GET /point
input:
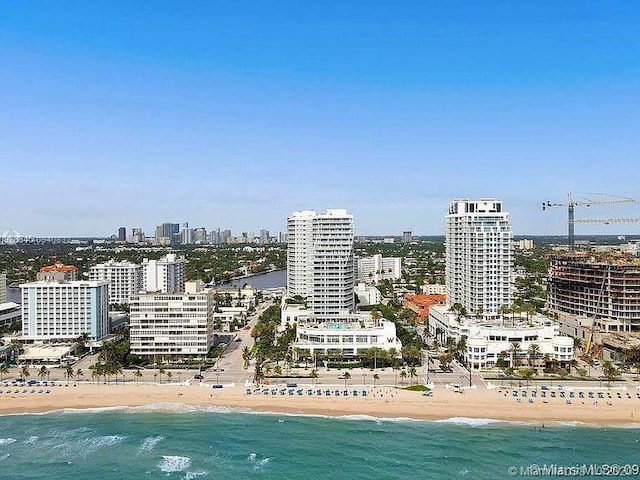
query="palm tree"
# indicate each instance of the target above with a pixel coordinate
(515, 349)
(160, 372)
(4, 369)
(347, 377)
(412, 374)
(277, 370)
(403, 375)
(609, 371)
(137, 375)
(577, 344)
(246, 357)
(25, 372)
(42, 372)
(590, 363)
(169, 375)
(376, 377)
(79, 373)
(533, 351)
(68, 372)
(313, 375)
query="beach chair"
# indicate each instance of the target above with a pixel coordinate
(265, 391)
(600, 395)
(590, 394)
(274, 392)
(345, 393)
(568, 402)
(355, 393)
(336, 393)
(364, 393)
(572, 395)
(543, 394)
(292, 391)
(562, 394)
(515, 393)
(553, 394)
(300, 392)
(309, 391)
(531, 400)
(534, 394)
(581, 394)
(47, 391)
(524, 394)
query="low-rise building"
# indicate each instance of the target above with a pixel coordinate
(10, 313)
(419, 304)
(58, 272)
(434, 289)
(345, 336)
(512, 338)
(367, 294)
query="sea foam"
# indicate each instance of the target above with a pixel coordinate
(174, 463)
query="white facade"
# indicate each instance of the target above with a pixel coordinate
(10, 313)
(376, 268)
(165, 275)
(479, 261)
(125, 279)
(3, 288)
(349, 335)
(320, 260)
(367, 294)
(487, 339)
(171, 325)
(434, 289)
(64, 310)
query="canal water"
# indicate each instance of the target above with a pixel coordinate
(262, 281)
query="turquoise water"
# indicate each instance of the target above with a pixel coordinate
(141, 444)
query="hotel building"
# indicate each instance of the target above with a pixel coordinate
(64, 310)
(479, 258)
(320, 269)
(125, 279)
(320, 260)
(58, 272)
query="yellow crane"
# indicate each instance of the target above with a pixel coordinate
(596, 200)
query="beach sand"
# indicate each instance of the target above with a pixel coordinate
(381, 402)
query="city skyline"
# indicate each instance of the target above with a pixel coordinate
(233, 115)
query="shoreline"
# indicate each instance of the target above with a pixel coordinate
(474, 407)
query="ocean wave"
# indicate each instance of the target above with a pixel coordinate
(104, 441)
(472, 422)
(174, 463)
(7, 441)
(31, 440)
(196, 474)
(149, 443)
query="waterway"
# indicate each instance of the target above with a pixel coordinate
(262, 281)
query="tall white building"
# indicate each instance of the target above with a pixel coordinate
(171, 325)
(3, 288)
(125, 279)
(479, 273)
(376, 268)
(64, 310)
(320, 260)
(165, 275)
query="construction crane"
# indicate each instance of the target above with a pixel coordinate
(605, 199)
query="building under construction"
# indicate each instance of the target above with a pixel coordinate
(602, 287)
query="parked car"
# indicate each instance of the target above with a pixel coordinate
(198, 376)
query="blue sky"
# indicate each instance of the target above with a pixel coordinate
(234, 114)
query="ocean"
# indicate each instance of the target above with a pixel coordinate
(183, 443)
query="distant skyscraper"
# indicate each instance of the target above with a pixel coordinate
(479, 255)
(320, 260)
(122, 234)
(264, 236)
(166, 233)
(226, 236)
(407, 237)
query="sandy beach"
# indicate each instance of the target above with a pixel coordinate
(381, 402)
